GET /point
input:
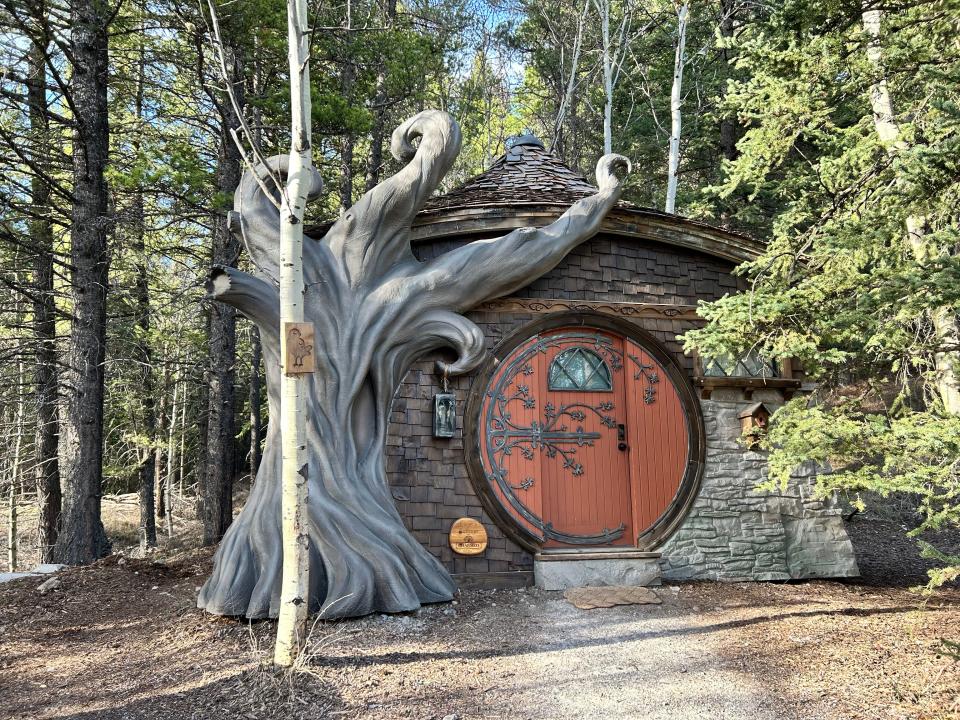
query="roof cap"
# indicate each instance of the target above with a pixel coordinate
(527, 137)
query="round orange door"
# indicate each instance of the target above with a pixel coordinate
(583, 438)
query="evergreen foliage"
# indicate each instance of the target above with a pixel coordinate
(839, 286)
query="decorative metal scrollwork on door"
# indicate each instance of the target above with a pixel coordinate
(587, 366)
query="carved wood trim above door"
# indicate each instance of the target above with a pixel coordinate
(660, 311)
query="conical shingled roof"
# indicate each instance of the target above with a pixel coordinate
(526, 173)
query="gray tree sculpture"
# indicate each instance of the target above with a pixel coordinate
(375, 309)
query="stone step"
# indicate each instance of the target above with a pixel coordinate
(565, 569)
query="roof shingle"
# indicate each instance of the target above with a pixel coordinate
(526, 173)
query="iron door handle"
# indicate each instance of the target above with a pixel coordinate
(621, 437)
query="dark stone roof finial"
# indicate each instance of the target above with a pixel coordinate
(527, 137)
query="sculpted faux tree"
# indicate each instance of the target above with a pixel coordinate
(375, 309)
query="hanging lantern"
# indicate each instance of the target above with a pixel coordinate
(444, 415)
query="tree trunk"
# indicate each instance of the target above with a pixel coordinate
(346, 173)
(143, 354)
(160, 458)
(676, 100)
(12, 542)
(217, 483)
(82, 538)
(172, 456)
(603, 7)
(375, 309)
(728, 124)
(944, 320)
(378, 130)
(301, 182)
(571, 84)
(256, 419)
(44, 316)
(181, 470)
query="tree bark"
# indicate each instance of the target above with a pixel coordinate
(46, 444)
(302, 181)
(676, 101)
(217, 483)
(82, 538)
(143, 354)
(171, 459)
(160, 458)
(728, 124)
(571, 84)
(378, 130)
(943, 319)
(12, 529)
(375, 309)
(603, 7)
(346, 173)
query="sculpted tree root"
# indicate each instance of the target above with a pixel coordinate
(376, 309)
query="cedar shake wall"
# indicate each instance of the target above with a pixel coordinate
(428, 476)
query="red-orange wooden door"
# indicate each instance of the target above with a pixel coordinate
(583, 438)
(584, 468)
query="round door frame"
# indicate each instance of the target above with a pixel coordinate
(665, 525)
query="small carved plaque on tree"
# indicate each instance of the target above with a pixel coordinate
(468, 537)
(298, 348)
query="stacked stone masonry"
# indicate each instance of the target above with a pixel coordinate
(731, 532)
(736, 532)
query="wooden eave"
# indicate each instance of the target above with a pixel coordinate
(469, 221)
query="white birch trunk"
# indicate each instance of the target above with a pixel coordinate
(676, 99)
(572, 80)
(294, 600)
(182, 469)
(12, 531)
(604, 8)
(12, 545)
(888, 130)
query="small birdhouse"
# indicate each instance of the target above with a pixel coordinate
(754, 421)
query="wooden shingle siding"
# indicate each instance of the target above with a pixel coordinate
(428, 475)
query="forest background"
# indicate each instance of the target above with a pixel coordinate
(827, 129)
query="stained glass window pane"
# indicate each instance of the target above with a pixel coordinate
(579, 369)
(747, 365)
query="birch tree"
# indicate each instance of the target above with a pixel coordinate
(302, 180)
(943, 319)
(676, 102)
(613, 48)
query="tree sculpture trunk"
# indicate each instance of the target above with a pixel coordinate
(375, 309)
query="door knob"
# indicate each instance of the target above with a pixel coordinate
(621, 437)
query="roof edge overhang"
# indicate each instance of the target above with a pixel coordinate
(629, 222)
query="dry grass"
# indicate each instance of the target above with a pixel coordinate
(121, 520)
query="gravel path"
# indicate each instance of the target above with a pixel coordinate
(629, 662)
(123, 640)
(529, 654)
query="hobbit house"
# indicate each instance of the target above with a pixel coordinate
(588, 448)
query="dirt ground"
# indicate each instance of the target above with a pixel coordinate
(123, 640)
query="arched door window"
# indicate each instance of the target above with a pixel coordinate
(580, 369)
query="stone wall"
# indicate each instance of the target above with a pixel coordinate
(734, 532)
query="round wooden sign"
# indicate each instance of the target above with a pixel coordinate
(468, 537)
